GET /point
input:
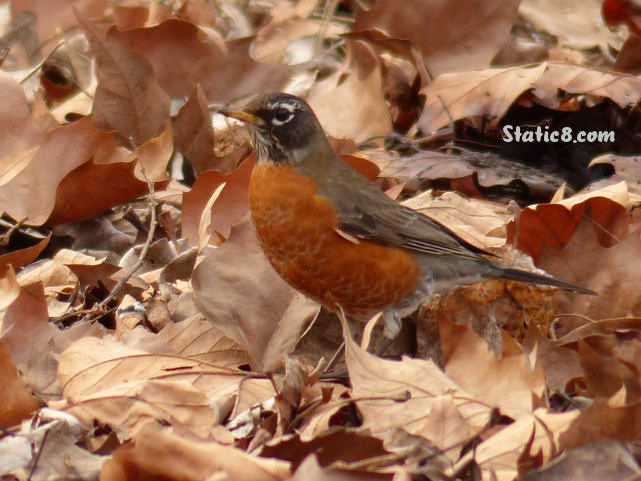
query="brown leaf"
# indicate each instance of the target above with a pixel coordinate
(17, 132)
(92, 188)
(194, 134)
(58, 15)
(161, 454)
(34, 343)
(554, 224)
(182, 56)
(239, 291)
(62, 150)
(311, 470)
(229, 208)
(596, 462)
(16, 401)
(603, 422)
(607, 270)
(448, 36)
(605, 375)
(21, 257)
(508, 382)
(412, 394)
(128, 99)
(560, 364)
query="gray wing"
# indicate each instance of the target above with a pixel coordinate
(367, 213)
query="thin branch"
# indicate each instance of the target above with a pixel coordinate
(102, 308)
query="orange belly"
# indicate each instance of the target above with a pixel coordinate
(296, 229)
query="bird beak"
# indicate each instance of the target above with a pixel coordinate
(243, 116)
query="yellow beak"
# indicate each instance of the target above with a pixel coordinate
(243, 116)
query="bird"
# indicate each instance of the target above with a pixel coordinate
(336, 237)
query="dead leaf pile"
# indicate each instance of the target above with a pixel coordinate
(143, 333)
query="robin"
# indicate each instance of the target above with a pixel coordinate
(336, 237)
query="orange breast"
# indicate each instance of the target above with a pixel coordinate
(296, 229)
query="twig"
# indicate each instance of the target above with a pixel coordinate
(102, 307)
(328, 13)
(37, 459)
(3, 55)
(6, 237)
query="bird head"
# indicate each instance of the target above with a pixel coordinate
(283, 128)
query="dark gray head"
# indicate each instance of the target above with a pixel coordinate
(282, 127)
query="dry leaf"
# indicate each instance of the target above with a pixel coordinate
(239, 291)
(412, 394)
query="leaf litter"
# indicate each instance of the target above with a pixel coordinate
(144, 334)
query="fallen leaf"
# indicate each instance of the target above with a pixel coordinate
(508, 382)
(156, 453)
(17, 402)
(239, 291)
(182, 56)
(605, 460)
(352, 109)
(470, 36)
(128, 99)
(415, 395)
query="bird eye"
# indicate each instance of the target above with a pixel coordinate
(282, 115)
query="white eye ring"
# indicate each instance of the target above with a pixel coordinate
(282, 116)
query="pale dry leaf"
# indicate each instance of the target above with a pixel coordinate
(354, 109)
(508, 382)
(17, 132)
(498, 455)
(129, 387)
(623, 89)
(412, 394)
(9, 289)
(310, 470)
(198, 339)
(606, 460)
(479, 222)
(576, 24)
(153, 156)
(626, 168)
(163, 454)
(54, 435)
(488, 93)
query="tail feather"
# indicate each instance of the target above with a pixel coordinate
(524, 276)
